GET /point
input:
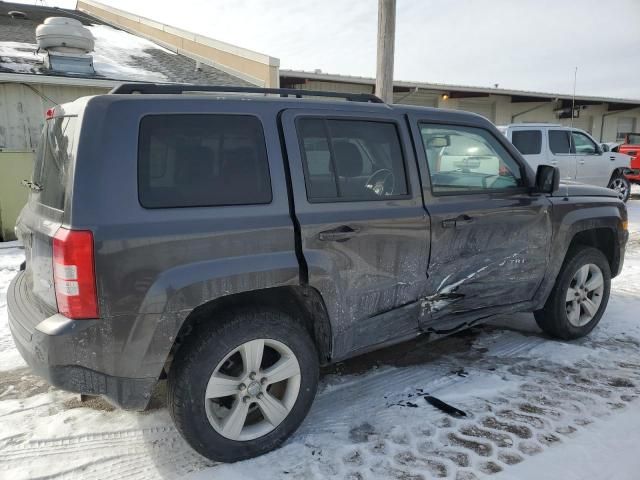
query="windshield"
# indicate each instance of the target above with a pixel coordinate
(52, 161)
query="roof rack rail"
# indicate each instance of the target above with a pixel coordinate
(159, 88)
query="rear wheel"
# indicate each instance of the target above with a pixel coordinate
(241, 388)
(578, 299)
(622, 186)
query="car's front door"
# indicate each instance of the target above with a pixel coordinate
(561, 154)
(363, 228)
(489, 236)
(592, 167)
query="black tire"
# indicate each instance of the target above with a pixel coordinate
(624, 182)
(553, 318)
(204, 349)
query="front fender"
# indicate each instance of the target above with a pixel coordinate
(571, 217)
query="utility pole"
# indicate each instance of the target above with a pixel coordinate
(573, 99)
(386, 40)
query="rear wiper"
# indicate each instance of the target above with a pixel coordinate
(36, 187)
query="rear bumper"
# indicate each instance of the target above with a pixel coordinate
(57, 350)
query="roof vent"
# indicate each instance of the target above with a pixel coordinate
(67, 43)
(17, 14)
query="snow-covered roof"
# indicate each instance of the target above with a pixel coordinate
(118, 55)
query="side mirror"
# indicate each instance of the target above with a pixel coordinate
(547, 179)
(605, 147)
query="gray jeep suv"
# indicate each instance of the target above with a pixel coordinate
(234, 240)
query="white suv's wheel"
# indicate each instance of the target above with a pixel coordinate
(239, 388)
(621, 185)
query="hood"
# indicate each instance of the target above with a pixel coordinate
(575, 189)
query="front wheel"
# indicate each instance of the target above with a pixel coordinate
(580, 296)
(239, 389)
(622, 186)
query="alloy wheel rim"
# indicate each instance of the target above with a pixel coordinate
(252, 390)
(584, 295)
(619, 186)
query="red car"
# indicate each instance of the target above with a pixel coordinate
(631, 147)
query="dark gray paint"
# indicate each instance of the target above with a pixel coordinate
(402, 274)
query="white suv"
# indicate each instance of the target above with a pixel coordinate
(578, 156)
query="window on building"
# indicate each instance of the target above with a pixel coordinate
(625, 125)
(467, 159)
(351, 159)
(528, 142)
(202, 160)
(559, 142)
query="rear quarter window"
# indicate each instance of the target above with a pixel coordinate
(528, 142)
(53, 161)
(198, 160)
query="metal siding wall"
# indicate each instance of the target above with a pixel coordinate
(583, 122)
(335, 87)
(14, 167)
(21, 118)
(486, 108)
(419, 98)
(22, 111)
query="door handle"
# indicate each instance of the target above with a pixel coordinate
(460, 221)
(340, 234)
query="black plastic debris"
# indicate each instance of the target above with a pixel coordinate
(445, 407)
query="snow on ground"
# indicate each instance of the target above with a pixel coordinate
(10, 258)
(536, 408)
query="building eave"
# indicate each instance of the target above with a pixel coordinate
(57, 80)
(441, 87)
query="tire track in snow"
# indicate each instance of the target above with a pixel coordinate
(119, 454)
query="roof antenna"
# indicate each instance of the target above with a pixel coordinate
(573, 99)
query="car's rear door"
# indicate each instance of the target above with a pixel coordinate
(489, 236)
(529, 142)
(364, 231)
(561, 154)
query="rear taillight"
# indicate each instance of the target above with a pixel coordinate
(74, 274)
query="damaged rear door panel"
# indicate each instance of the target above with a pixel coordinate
(364, 232)
(490, 236)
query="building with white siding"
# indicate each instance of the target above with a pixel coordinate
(605, 118)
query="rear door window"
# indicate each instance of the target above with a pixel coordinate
(53, 160)
(559, 142)
(351, 159)
(528, 142)
(197, 160)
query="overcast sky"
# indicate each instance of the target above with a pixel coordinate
(519, 44)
